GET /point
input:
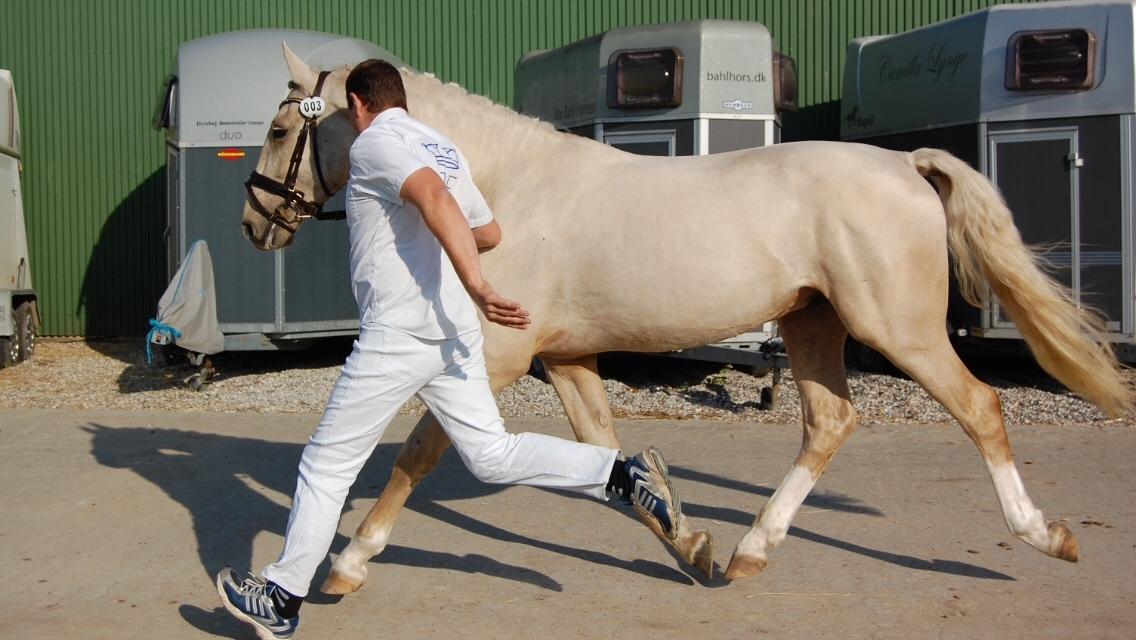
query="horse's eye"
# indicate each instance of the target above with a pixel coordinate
(279, 133)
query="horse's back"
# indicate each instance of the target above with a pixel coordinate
(705, 247)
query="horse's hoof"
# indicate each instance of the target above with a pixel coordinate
(701, 554)
(742, 566)
(1062, 542)
(338, 584)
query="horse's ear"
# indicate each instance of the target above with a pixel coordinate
(302, 74)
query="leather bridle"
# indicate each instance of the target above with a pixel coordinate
(294, 201)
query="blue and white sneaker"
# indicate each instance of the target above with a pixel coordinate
(253, 600)
(653, 495)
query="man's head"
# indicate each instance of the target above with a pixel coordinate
(372, 87)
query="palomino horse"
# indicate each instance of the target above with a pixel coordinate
(612, 251)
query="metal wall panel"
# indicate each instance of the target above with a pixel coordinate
(88, 75)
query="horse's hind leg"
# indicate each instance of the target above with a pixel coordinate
(419, 455)
(580, 388)
(814, 337)
(934, 364)
(581, 391)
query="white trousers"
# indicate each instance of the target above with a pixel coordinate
(384, 370)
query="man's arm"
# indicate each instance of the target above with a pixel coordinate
(487, 236)
(444, 218)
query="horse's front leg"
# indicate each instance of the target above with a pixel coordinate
(581, 391)
(418, 457)
(815, 339)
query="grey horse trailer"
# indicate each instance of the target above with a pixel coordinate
(19, 313)
(675, 89)
(216, 110)
(1041, 98)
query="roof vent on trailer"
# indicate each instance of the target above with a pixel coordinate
(1057, 60)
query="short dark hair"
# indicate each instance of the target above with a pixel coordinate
(378, 84)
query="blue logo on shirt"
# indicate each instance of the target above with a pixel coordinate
(445, 156)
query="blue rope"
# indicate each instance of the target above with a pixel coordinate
(156, 327)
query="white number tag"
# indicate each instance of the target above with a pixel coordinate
(311, 107)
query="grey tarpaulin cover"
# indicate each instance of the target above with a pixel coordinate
(189, 305)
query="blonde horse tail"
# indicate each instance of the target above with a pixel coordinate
(1067, 341)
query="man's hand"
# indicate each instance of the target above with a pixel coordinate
(500, 310)
(445, 220)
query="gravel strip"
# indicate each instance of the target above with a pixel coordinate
(113, 374)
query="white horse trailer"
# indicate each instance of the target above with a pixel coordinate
(675, 89)
(1042, 99)
(19, 313)
(216, 110)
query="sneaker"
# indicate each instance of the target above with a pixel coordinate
(251, 600)
(652, 494)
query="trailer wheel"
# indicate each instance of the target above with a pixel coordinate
(9, 352)
(25, 337)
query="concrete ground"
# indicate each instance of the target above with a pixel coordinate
(113, 524)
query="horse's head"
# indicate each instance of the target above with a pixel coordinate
(304, 159)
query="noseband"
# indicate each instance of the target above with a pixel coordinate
(301, 208)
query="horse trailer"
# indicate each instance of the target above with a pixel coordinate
(216, 109)
(1041, 98)
(19, 313)
(675, 89)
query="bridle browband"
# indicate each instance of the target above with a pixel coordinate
(302, 208)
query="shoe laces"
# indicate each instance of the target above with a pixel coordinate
(255, 586)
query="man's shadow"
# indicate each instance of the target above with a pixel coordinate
(219, 479)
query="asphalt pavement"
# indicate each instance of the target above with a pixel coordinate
(114, 523)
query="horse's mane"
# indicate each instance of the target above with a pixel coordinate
(475, 104)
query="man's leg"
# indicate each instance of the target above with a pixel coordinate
(366, 397)
(374, 383)
(463, 402)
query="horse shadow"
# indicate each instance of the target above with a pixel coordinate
(222, 481)
(827, 501)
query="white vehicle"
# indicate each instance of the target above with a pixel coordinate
(19, 315)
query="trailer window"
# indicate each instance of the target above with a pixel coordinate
(164, 114)
(1061, 60)
(645, 79)
(784, 82)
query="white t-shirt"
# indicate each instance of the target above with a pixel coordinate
(401, 276)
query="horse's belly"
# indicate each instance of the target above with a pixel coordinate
(663, 320)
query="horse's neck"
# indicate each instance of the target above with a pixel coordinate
(497, 142)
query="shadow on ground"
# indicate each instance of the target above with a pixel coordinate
(222, 481)
(170, 366)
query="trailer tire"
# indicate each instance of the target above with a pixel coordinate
(9, 351)
(25, 331)
(10, 345)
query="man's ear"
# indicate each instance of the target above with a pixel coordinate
(303, 75)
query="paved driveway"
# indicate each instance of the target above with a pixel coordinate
(114, 522)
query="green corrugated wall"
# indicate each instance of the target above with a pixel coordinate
(88, 72)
